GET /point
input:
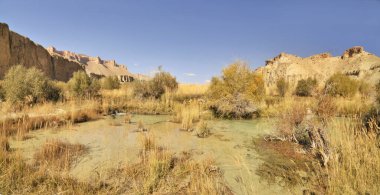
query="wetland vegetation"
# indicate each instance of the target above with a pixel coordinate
(232, 136)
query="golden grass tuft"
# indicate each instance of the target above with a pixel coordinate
(58, 154)
(354, 167)
(203, 129)
(190, 91)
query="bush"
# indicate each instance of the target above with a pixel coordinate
(341, 85)
(235, 89)
(282, 87)
(81, 85)
(234, 107)
(161, 83)
(305, 87)
(111, 82)
(237, 79)
(28, 85)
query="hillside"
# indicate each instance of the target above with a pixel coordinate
(355, 62)
(16, 49)
(96, 66)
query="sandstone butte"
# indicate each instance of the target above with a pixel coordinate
(355, 62)
(60, 65)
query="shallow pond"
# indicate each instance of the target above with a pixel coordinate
(113, 143)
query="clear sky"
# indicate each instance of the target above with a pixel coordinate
(195, 39)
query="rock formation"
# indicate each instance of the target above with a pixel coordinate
(354, 62)
(96, 66)
(16, 49)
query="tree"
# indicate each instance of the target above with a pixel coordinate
(81, 85)
(111, 82)
(282, 87)
(28, 85)
(232, 94)
(341, 85)
(161, 83)
(305, 87)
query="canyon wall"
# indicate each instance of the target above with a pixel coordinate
(95, 65)
(16, 49)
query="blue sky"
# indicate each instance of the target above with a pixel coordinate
(195, 39)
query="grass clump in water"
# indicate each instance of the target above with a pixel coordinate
(58, 154)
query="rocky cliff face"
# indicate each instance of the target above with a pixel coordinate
(354, 62)
(95, 65)
(16, 49)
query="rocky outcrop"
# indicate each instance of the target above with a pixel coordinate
(16, 49)
(354, 51)
(96, 66)
(355, 62)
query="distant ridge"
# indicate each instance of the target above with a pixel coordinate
(354, 62)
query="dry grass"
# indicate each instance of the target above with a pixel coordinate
(203, 129)
(18, 177)
(190, 91)
(160, 171)
(58, 154)
(4, 144)
(352, 107)
(290, 120)
(354, 167)
(281, 105)
(187, 114)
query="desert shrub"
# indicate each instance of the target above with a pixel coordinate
(305, 87)
(234, 107)
(236, 89)
(326, 108)
(290, 120)
(282, 87)
(111, 82)
(161, 83)
(82, 86)
(28, 85)
(341, 85)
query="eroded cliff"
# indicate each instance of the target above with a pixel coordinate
(16, 49)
